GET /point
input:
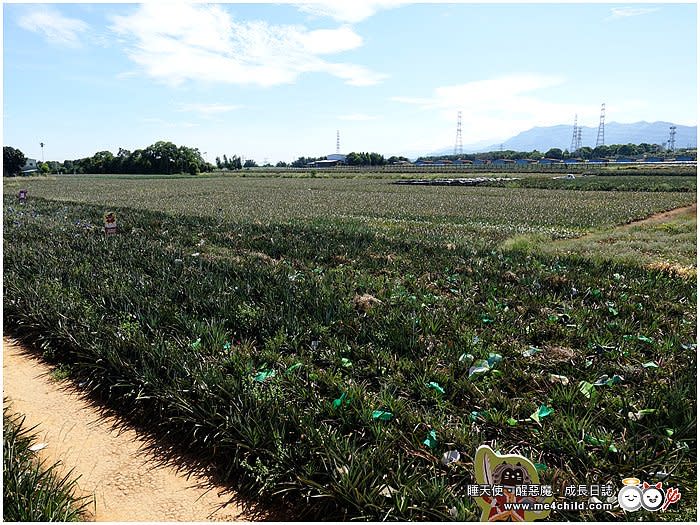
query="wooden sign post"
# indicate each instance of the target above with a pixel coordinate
(110, 221)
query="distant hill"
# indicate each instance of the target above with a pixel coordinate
(544, 138)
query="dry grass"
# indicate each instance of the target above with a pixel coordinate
(665, 241)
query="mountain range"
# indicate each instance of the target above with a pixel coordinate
(544, 138)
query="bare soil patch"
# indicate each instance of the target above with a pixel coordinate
(666, 215)
(127, 483)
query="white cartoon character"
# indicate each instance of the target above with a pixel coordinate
(652, 496)
(630, 496)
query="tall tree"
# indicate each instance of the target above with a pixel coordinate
(12, 161)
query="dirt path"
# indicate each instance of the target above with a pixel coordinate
(126, 483)
(665, 216)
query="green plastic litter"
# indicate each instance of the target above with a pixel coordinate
(262, 376)
(650, 364)
(479, 367)
(435, 386)
(531, 351)
(382, 415)
(541, 412)
(431, 440)
(196, 345)
(337, 403)
(227, 346)
(486, 320)
(345, 362)
(645, 339)
(474, 415)
(512, 422)
(293, 367)
(591, 440)
(540, 467)
(605, 380)
(494, 359)
(587, 389)
(669, 432)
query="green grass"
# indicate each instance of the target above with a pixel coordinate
(172, 321)
(33, 491)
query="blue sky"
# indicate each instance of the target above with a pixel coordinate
(275, 81)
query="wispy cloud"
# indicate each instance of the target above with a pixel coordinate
(53, 26)
(357, 117)
(161, 122)
(499, 107)
(209, 109)
(626, 12)
(177, 43)
(346, 11)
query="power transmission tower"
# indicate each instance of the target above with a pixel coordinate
(574, 135)
(672, 139)
(579, 143)
(458, 139)
(600, 141)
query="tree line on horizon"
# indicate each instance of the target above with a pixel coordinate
(164, 157)
(584, 153)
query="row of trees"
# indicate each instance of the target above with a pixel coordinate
(159, 158)
(351, 159)
(233, 163)
(586, 153)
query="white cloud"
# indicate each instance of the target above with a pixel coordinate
(53, 26)
(209, 109)
(500, 107)
(626, 12)
(176, 43)
(359, 117)
(348, 11)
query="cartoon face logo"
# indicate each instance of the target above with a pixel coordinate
(509, 470)
(630, 498)
(652, 497)
(511, 475)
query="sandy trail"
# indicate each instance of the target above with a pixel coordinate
(666, 215)
(127, 484)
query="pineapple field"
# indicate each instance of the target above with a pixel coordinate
(325, 343)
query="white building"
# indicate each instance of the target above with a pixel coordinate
(30, 166)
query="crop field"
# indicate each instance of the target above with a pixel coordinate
(473, 215)
(322, 343)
